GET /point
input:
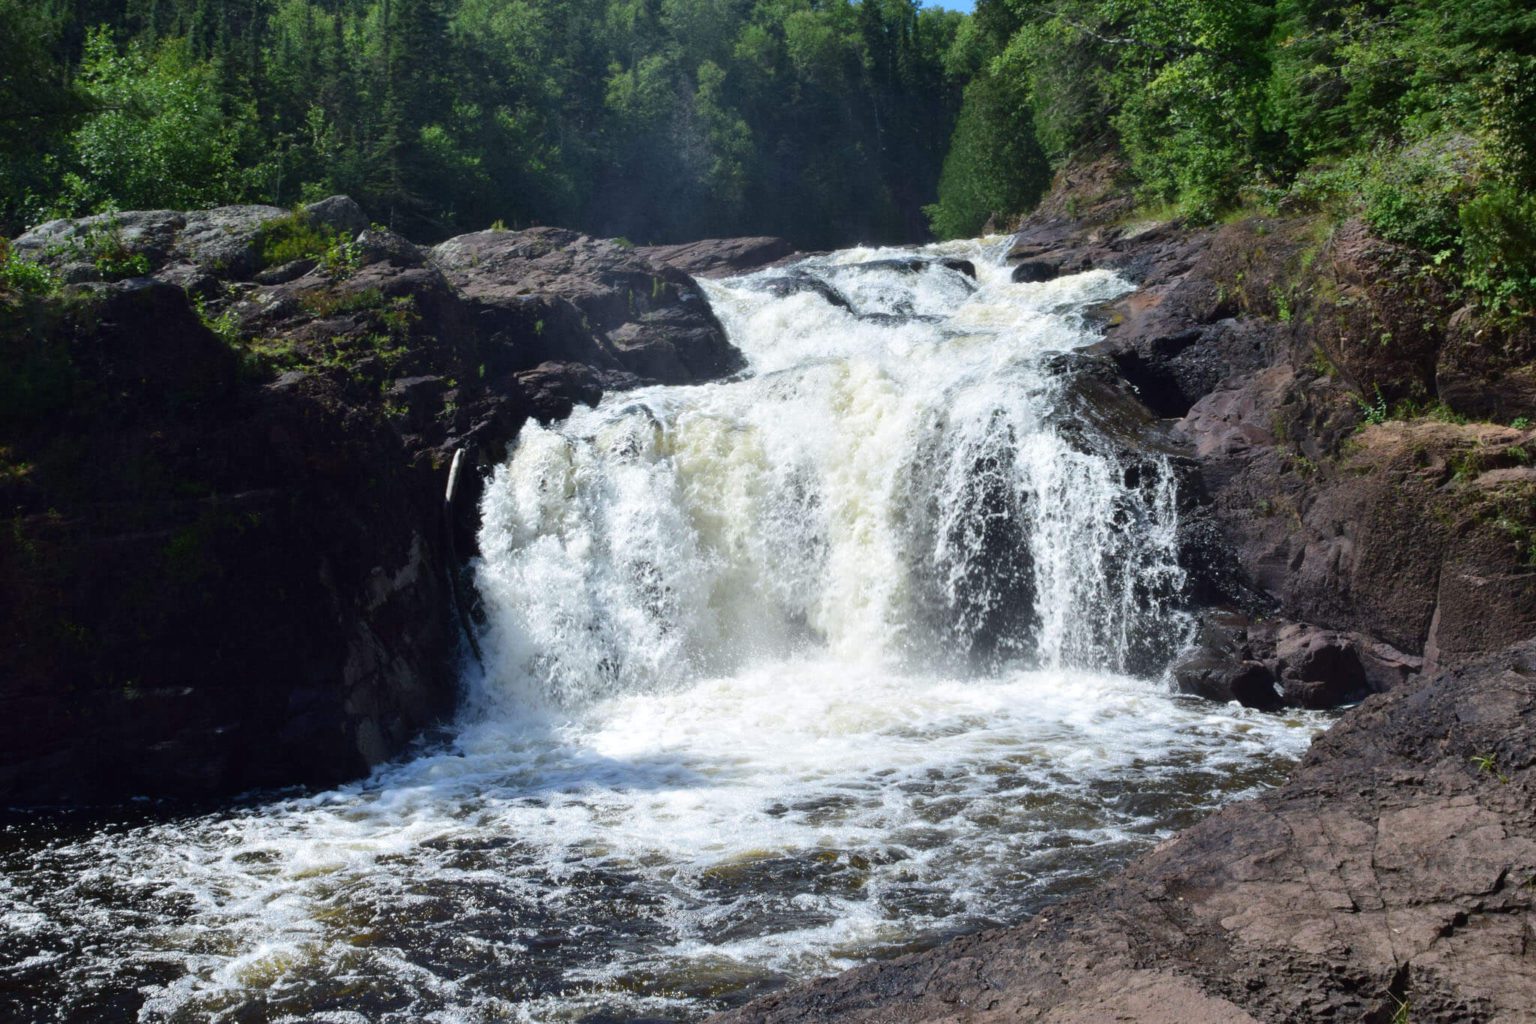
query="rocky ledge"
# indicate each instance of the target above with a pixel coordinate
(225, 438)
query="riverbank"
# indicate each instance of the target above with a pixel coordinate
(230, 435)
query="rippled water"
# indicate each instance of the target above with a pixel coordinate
(784, 674)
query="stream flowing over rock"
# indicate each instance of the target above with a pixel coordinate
(227, 575)
(855, 648)
(866, 610)
(1359, 540)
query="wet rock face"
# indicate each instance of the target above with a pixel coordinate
(1397, 866)
(1035, 272)
(229, 555)
(1248, 339)
(798, 282)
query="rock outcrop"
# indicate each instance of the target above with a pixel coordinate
(226, 562)
(719, 257)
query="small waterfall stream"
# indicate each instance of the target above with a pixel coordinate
(784, 673)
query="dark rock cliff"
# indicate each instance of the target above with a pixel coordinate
(225, 560)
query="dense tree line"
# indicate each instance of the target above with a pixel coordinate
(1418, 114)
(823, 120)
(828, 121)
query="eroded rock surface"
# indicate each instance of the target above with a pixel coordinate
(720, 257)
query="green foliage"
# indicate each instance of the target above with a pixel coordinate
(1373, 413)
(1413, 197)
(298, 237)
(823, 120)
(156, 135)
(1499, 232)
(995, 165)
(110, 254)
(22, 275)
(225, 325)
(37, 104)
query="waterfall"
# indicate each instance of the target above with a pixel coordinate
(886, 483)
(783, 673)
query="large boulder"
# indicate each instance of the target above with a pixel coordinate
(719, 257)
(561, 296)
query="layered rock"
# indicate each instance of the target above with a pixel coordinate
(226, 547)
(720, 257)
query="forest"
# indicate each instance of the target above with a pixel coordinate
(1418, 115)
(825, 121)
(656, 120)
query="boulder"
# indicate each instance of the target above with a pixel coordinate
(1487, 369)
(719, 257)
(559, 296)
(339, 213)
(1035, 272)
(797, 282)
(1249, 683)
(1319, 668)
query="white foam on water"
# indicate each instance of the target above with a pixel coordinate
(783, 673)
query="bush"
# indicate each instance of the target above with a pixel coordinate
(298, 237)
(1499, 231)
(1413, 196)
(20, 275)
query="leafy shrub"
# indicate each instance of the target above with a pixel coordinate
(298, 237)
(1509, 114)
(112, 257)
(21, 275)
(1499, 231)
(1414, 197)
(157, 136)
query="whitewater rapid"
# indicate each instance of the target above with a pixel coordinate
(823, 663)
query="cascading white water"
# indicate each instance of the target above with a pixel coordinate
(784, 673)
(886, 485)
